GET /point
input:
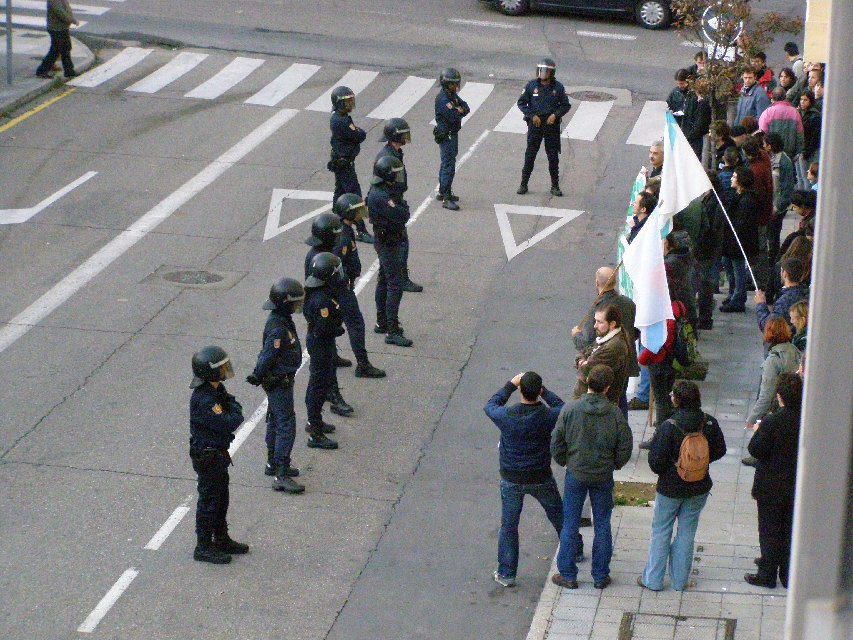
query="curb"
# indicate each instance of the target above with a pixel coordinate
(545, 606)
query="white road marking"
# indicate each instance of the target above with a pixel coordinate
(15, 216)
(294, 77)
(176, 67)
(512, 122)
(82, 275)
(564, 216)
(273, 227)
(106, 603)
(173, 521)
(484, 23)
(355, 79)
(41, 5)
(649, 125)
(608, 36)
(34, 21)
(403, 98)
(119, 63)
(235, 71)
(587, 120)
(475, 94)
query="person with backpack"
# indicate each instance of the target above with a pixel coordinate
(682, 450)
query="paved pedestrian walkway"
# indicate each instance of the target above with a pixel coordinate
(719, 605)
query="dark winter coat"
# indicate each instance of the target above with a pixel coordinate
(775, 445)
(743, 211)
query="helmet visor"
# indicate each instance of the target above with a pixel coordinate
(358, 212)
(296, 305)
(224, 367)
(399, 175)
(404, 135)
(544, 72)
(348, 103)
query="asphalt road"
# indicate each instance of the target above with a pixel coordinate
(396, 534)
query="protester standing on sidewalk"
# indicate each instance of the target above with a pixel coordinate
(525, 462)
(592, 440)
(682, 487)
(611, 348)
(59, 21)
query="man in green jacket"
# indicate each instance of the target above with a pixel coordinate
(592, 440)
(59, 21)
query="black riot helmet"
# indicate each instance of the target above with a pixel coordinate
(210, 364)
(397, 130)
(343, 99)
(546, 69)
(325, 230)
(448, 77)
(387, 169)
(351, 207)
(326, 269)
(286, 295)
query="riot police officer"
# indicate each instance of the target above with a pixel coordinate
(323, 314)
(397, 133)
(544, 102)
(346, 145)
(214, 417)
(388, 217)
(278, 362)
(449, 111)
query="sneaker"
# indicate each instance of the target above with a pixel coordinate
(226, 545)
(502, 580)
(637, 405)
(320, 441)
(642, 584)
(560, 581)
(439, 196)
(208, 553)
(450, 205)
(522, 189)
(556, 191)
(603, 583)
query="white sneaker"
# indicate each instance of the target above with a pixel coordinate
(501, 580)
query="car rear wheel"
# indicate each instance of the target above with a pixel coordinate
(513, 7)
(653, 14)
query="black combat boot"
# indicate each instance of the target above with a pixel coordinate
(327, 428)
(337, 402)
(269, 469)
(223, 542)
(206, 552)
(284, 482)
(522, 188)
(556, 191)
(449, 204)
(366, 370)
(451, 196)
(342, 362)
(395, 336)
(318, 440)
(408, 285)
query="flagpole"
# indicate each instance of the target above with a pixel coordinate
(737, 239)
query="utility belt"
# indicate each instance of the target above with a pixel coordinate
(271, 382)
(339, 163)
(209, 456)
(441, 134)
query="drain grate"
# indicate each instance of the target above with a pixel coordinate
(592, 96)
(194, 278)
(659, 625)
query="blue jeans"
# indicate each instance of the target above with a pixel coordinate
(512, 499)
(449, 149)
(601, 497)
(645, 385)
(281, 423)
(737, 275)
(663, 549)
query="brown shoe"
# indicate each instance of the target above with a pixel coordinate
(560, 581)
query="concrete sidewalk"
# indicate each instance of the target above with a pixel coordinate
(28, 48)
(721, 605)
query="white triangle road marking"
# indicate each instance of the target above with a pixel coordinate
(274, 226)
(502, 211)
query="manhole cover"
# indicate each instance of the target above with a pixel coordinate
(193, 277)
(592, 96)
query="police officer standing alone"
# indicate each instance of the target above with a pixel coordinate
(397, 133)
(214, 417)
(544, 102)
(322, 312)
(278, 362)
(388, 217)
(449, 111)
(346, 145)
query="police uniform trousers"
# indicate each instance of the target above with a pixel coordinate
(321, 375)
(211, 465)
(389, 284)
(281, 422)
(449, 149)
(535, 135)
(353, 321)
(346, 181)
(775, 526)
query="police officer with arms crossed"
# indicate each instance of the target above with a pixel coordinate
(449, 111)
(323, 314)
(544, 102)
(214, 417)
(397, 133)
(278, 362)
(388, 217)
(346, 145)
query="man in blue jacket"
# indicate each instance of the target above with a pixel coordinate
(450, 109)
(792, 292)
(525, 462)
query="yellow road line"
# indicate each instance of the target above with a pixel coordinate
(35, 110)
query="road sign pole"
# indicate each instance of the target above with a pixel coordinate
(9, 42)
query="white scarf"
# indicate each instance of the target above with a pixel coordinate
(607, 337)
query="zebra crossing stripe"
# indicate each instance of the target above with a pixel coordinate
(235, 71)
(403, 98)
(355, 79)
(176, 67)
(475, 94)
(587, 120)
(294, 77)
(650, 124)
(119, 63)
(512, 122)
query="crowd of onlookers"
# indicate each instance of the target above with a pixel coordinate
(763, 166)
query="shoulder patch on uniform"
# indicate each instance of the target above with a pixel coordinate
(352, 126)
(217, 409)
(291, 336)
(277, 343)
(345, 249)
(449, 105)
(391, 203)
(324, 312)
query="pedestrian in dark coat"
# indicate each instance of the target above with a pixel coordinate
(60, 17)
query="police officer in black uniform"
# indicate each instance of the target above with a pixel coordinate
(278, 362)
(388, 217)
(544, 102)
(449, 111)
(214, 417)
(397, 133)
(346, 145)
(323, 314)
